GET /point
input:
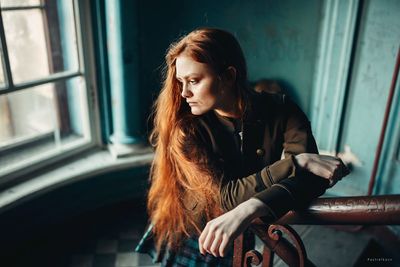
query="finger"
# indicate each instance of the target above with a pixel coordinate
(323, 169)
(224, 246)
(202, 238)
(327, 158)
(214, 249)
(337, 172)
(340, 171)
(337, 176)
(337, 162)
(208, 241)
(334, 161)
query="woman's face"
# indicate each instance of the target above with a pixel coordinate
(201, 87)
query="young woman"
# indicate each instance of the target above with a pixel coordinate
(218, 153)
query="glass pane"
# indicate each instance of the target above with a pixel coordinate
(41, 119)
(19, 3)
(41, 41)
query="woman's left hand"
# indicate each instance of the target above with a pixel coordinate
(220, 232)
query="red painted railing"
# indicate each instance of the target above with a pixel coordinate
(377, 210)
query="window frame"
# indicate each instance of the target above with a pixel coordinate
(86, 70)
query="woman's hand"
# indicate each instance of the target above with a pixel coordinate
(220, 232)
(328, 167)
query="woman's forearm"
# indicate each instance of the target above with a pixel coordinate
(252, 209)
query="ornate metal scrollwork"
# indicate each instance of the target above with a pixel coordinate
(253, 257)
(273, 236)
(275, 233)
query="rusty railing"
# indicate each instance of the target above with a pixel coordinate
(376, 210)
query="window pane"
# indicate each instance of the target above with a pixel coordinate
(42, 119)
(18, 3)
(41, 41)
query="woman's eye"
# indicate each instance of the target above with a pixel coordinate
(192, 81)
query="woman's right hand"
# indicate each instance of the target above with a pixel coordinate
(328, 167)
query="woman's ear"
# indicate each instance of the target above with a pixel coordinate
(230, 75)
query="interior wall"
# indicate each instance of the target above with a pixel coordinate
(376, 45)
(279, 38)
(282, 40)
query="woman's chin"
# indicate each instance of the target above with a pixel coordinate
(197, 111)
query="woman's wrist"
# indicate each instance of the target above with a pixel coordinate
(251, 209)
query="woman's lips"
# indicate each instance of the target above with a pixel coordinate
(192, 103)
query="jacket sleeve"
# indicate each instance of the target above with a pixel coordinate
(282, 186)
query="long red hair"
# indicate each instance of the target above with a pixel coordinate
(181, 167)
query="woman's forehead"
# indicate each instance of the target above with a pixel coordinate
(187, 66)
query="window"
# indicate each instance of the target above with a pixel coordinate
(45, 104)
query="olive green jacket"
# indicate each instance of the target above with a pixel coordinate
(272, 125)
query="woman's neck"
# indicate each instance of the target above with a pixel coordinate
(230, 109)
(228, 113)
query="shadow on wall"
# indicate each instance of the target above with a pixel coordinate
(276, 86)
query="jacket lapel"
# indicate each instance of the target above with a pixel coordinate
(254, 130)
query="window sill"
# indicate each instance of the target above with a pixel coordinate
(93, 163)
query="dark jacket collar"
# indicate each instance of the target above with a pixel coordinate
(260, 106)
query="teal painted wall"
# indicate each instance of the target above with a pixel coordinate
(376, 46)
(282, 40)
(279, 38)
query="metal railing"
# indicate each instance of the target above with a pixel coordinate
(376, 210)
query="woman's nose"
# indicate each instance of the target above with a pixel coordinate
(186, 93)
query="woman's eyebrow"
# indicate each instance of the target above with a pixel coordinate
(187, 76)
